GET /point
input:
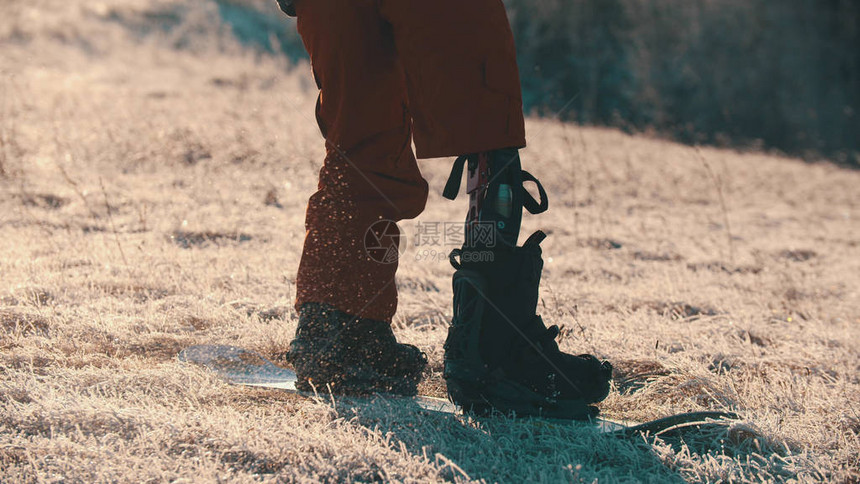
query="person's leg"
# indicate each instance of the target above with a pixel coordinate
(370, 172)
(464, 90)
(462, 76)
(346, 293)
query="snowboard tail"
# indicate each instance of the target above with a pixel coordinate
(245, 367)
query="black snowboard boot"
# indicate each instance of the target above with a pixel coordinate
(351, 356)
(499, 355)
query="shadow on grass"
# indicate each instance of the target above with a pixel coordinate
(500, 449)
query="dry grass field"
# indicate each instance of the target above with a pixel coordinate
(152, 190)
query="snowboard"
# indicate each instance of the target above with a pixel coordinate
(245, 367)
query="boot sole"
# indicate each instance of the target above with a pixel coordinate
(354, 381)
(356, 387)
(500, 398)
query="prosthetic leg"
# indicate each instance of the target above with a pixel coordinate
(499, 355)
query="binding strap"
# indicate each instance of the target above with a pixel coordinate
(535, 238)
(452, 187)
(454, 258)
(529, 202)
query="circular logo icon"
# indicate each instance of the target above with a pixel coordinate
(382, 242)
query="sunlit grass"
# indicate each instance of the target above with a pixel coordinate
(137, 218)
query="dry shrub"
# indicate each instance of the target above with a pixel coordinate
(265, 313)
(86, 422)
(675, 310)
(43, 200)
(135, 290)
(29, 362)
(798, 255)
(656, 256)
(18, 395)
(156, 347)
(723, 71)
(631, 375)
(188, 239)
(28, 295)
(600, 244)
(683, 390)
(724, 267)
(23, 323)
(13, 456)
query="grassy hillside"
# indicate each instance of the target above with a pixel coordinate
(153, 175)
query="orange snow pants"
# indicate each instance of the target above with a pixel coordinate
(443, 68)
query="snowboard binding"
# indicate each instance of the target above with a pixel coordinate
(499, 355)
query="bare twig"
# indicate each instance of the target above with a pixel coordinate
(69, 180)
(4, 143)
(112, 225)
(9, 148)
(142, 212)
(718, 182)
(573, 191)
